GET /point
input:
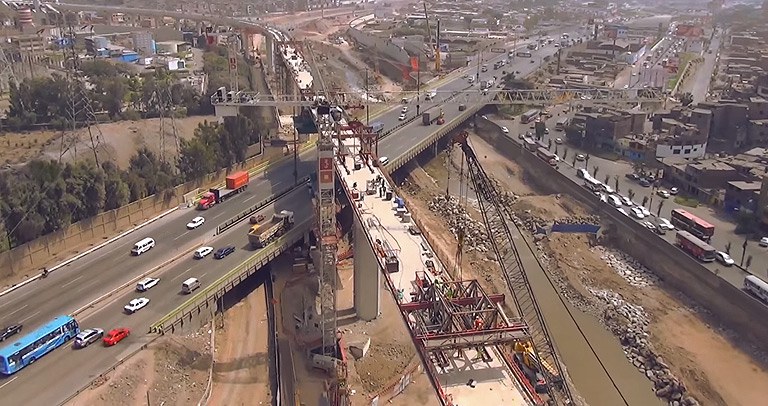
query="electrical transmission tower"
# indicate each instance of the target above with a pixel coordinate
(80, 113)
(7, 75)
(166, 106)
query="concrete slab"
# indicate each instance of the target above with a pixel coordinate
(493, 381)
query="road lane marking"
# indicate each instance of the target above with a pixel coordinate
(71, 282)
(29, 317)
(181, 274)
(182, 235)
(7, 383)
(18, 310)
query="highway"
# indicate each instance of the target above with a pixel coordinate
(65, 370)
(83, 281)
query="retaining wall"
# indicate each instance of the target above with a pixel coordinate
(729, 304)
(56, 247)
(380, 45)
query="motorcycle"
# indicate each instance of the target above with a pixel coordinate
(45, 273)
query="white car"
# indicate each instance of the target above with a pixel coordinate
(626, 201)
(646, 212)
(764, 242)
(664, 224)
(580, 157)
(404, 110)
(637, 213)
(136, 304)
(673, 191)
(608, 189)
(622, 211)
(202, 252)
(557, 140)
(505, 130)
(663, 193)
(195, 223)
(147, 284)
(402, 117)
(724, 258)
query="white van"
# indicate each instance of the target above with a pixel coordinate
(189, 285)
(143, 246)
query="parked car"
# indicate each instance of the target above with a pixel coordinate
(224, 251)
(637, 213)
(646, 212)
(649, 225)
(135, 305)
(645, 183)
(622, 211)
(764, 242)
(673, 191)
(115, 336)
(626, 201)
(632, 176)
(505, 130)
(580, 157)
(10, 331)
(88, 336)
(724, 258)
(663, 193)
(557, 140)
(663, 223)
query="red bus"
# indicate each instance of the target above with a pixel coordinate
(694, 246)
(692, 224)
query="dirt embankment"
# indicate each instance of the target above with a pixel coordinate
(702, 357)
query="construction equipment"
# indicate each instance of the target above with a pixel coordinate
(436, 44)
(260, 235)
(537, 356)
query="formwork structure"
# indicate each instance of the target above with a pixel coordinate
(452, 315)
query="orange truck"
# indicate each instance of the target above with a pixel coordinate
(235, 183)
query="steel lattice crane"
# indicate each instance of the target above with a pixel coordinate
(539, 354)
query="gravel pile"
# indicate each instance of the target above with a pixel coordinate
(456, 216)
(627, 267)
(629, 322)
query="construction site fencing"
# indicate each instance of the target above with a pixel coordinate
(217, 289)
(397, 385)
(260, 205)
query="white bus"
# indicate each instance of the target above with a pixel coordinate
(757, 287)
(593, 184)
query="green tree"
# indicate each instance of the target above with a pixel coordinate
(658, 210)
(595, 169)
(116, 189)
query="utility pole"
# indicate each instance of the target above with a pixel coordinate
(367, 101)
(418, 84)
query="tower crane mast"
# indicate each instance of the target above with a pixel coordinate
(539, 354)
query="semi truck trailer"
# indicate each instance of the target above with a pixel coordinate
(235, 183)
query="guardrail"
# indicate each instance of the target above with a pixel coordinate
(112, 368)
(276, 381)
(260, 205)
(218, 288)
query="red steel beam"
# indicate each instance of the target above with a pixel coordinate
(470, 333)
(465, 301)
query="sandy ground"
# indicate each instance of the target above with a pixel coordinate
(173, 371)
(115, 141)
(241, 372)
(715, 370)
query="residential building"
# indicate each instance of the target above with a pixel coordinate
(702, 179)
(762, 203)
(29, 43)
(143, 43)
(95, 43)
(742, 195)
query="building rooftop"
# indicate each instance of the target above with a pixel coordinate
(711, 165)
(745, 185)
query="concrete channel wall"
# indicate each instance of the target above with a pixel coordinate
(729, 304)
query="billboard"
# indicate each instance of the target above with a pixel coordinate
(689, 31)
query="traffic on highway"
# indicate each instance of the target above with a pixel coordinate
(131, 306)
(113, 270)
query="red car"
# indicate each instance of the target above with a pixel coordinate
(115, 336)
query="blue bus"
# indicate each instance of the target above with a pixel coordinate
(37, 343)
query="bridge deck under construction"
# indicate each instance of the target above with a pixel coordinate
(455, 325)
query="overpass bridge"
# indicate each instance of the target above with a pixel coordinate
(348, 156)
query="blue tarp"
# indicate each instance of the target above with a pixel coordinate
(575, 228)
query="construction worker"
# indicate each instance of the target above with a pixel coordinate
(478, 323)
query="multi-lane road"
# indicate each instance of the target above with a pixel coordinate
(66, 369)
(110, 268)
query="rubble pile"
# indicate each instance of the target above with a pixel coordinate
(630, 323)
(627, 267)
(506, 198)
(456, 216)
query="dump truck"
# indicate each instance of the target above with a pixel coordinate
(425, 119)
(260, 235)
(235, 183)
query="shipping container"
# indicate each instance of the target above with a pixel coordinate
(237, 180)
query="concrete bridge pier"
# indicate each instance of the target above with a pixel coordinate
(367, 275)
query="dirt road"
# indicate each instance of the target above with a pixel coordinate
(241, 371)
